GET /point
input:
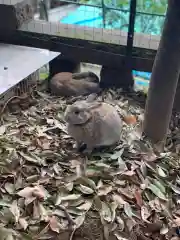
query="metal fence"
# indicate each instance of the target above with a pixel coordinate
(130, 16)
(114, 14)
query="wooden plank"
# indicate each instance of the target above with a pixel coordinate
(13, 13)
(117, 37)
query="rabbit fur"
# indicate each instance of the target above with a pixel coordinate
(67, 84)
(94, 123)
(88, 76)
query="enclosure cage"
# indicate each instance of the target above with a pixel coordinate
(126, 25)
(23, 88)
(100, 21)
(113, 14)
(20, 69)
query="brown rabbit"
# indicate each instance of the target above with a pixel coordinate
(88, 76)
(67, 84)
(95, 124)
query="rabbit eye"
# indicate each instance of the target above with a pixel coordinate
(76, 112)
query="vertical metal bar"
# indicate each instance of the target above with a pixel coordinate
(128, 59)
(114, 3)
(130, 37)
(35, 5)
(43, 8)
(103, 13)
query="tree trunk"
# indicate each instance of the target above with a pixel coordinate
(164, 77)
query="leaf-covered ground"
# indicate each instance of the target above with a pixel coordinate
(129, 192)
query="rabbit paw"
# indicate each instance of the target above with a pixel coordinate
(79, 146)
(88, 150)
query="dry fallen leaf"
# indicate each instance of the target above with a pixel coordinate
(157, 192)
(104, 190)
(26, 192)
(32, 192)
(85, 206)
(44, 193)
(85, 189)
(79, 221)
(38, 193)
(54, 225)
(15, 210)
(23, 223)
(10, 188)
(106, 212)
(117, 198)
(138, 198)
(145, 213)
(130, 119)
(128, 210)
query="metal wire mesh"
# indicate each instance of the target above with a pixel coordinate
(109, 17)
(107, 21)
(24, 87)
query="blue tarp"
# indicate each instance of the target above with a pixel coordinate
(145, 75)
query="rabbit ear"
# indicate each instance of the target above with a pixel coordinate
(86, 105)
(92, 105)
(80, 75)
(76, 76)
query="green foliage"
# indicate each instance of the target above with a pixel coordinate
(145, 22)
(152, 6)
(147, 6)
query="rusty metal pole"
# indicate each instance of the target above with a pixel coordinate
(164, 77)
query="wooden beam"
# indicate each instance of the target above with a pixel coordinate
(83, 51)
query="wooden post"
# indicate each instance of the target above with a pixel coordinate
(164, 77)
(176, 105)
